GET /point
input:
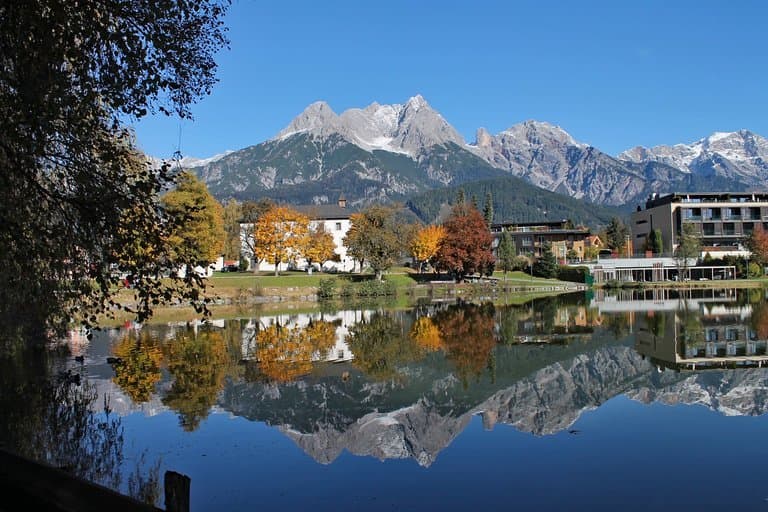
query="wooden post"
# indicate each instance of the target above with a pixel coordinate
(176, 492)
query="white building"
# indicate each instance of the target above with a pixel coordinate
(334, 219)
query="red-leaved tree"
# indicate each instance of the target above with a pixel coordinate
(467, 247)
(757, 243)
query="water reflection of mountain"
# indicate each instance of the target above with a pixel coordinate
(412, 380)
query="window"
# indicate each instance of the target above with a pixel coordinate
(709, 229)
(526, 241)
(338, 226)
(728, 228)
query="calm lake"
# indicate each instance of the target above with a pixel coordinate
(641, 400)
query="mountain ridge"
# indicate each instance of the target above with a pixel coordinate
(392, 152)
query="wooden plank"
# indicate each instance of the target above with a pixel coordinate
(36, 486)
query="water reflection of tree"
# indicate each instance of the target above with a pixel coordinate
(759, 319)
(139, 371)
(380, 345)
(51, 418)
(426, 334)
(286, 353)
(469, 337)
(618, 324)
(198, 364)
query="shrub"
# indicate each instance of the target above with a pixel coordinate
(326, 288)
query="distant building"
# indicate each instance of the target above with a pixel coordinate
(724, 220)
(533, 238)
(335, 220)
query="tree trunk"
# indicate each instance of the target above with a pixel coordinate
(277, 265)
(379, 275)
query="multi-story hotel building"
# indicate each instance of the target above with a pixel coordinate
(533, 238)
(724, 220)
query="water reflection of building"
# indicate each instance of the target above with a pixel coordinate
(559, 326)
(342, 320)
(701, 335)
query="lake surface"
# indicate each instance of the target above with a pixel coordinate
(644, 400)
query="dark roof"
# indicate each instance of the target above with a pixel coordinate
(323, 211)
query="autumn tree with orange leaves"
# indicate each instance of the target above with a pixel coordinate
(319, 247)
(757, 243)
(426, 242)
(286, 353)
(468, 336)
(467, 247)
(280, 235)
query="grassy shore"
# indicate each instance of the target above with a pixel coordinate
(238, 295)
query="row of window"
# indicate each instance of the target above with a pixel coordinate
(750, 213)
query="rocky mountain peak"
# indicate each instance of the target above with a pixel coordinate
(318, 118)
(483, 139)
(539, 132)
(730, 154)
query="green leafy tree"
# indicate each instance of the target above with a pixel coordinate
(233, 213)
(488, 209)
(546, 266)
(376, 236)
(616, 234)
(200, 237)
(688, 247)
(655, 243)
(467, 245)
(505, 253)
(75, 193)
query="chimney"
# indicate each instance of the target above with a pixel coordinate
(342, 201)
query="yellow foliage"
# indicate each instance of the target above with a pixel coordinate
(319, 247)
(426, 334)
(426, 242)
(201, 235)
(286, 353)
(280, 235)
(139, 370)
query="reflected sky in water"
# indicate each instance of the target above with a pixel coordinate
(639, 399)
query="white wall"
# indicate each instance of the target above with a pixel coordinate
(338, 229)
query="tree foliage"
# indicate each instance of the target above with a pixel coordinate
(488, 209)
(377, 237)
(655, 243)
(198, 364)
(381, 347)
(467, 245)
(74, 190)
(426, 242)
(468, 336)
(688, 247)
(286, 353)
(319, 246)
(757, 243)
(200, 236)
(546, 266)
(280, 235)
(505, 252)
(233, 213)
(616, 234)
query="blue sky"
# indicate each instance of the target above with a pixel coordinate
(614, 74)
